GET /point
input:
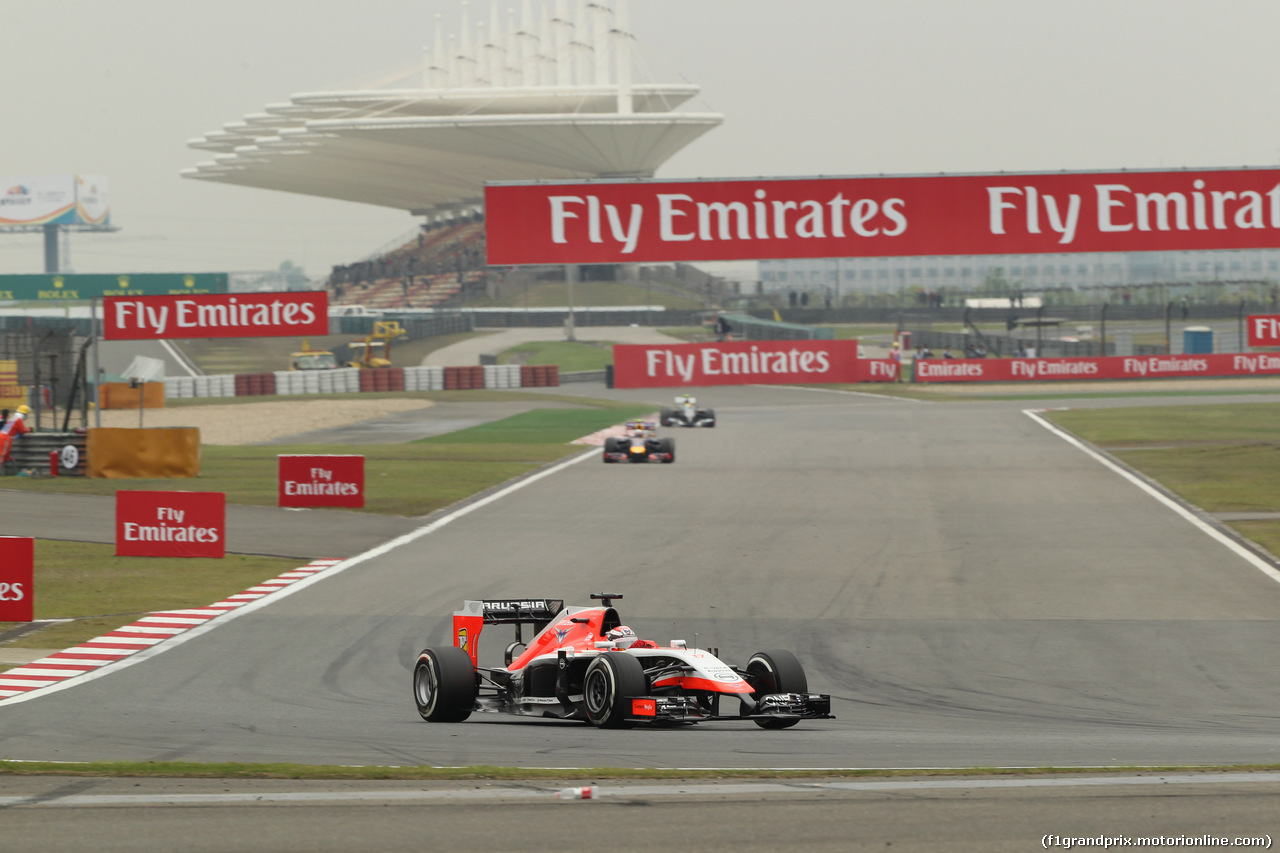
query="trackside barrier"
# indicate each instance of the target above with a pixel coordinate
(350, 380)
(1110, 367)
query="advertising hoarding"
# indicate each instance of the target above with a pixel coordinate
(321, 480)
(17, 579)
(239, 315)
(1110, 367)
(735, 363)
(171, 524)
(54, 200)
(54, 287)
(1264, 330)
(779, 218)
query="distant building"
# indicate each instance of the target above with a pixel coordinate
(1078, 271)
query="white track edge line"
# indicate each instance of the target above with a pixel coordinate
(1204, 527)
(151, 651)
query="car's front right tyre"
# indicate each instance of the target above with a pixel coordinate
(611, 680)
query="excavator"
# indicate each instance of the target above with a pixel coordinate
(375, 350)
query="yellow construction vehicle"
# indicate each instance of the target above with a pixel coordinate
(375, 350)
(313, 359)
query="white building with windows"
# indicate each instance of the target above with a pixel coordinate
(1078, 271)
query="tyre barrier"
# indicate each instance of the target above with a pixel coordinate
(349, 380)
(255, 384)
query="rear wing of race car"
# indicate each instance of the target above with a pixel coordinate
(474, 615)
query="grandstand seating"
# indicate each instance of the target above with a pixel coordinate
(438, 265)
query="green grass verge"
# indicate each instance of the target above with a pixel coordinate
(569, 355)
(1164, 425)
(539, 426)
(188, 770)
(98, 591)
(1222, 458)
(410, 479)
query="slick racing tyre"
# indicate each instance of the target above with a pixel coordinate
(444, 685)
(668, 445)
(607, 687)
(667, 417)
(775, 671)
(610, 446)
(710, 415)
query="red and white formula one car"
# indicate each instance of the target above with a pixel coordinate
(584, 664)
(640, 444)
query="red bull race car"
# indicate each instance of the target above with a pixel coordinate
(584, 664)
(640, 444)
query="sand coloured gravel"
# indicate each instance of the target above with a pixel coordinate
(249, 423)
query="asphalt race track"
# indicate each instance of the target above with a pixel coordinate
(971, 589)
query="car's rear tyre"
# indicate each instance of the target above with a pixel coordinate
(668, 446)
(610, 680)
(444, 685)
(775, 671)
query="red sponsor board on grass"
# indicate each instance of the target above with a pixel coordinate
(735, 363)
(317, 481)
(1111, 367)
(845, 217)
(17, 579)
(216, 315)
(171, 524)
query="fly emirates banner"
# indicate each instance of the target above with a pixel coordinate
(736, 363)
(216, 315)
(746, 219)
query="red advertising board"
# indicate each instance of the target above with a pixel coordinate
(171, 524)
(1007, 213)
(1111, 367)
(216, 315)
(311, 481)
(735, 363)
(878, 369)
(1264, 330)
(17, 579)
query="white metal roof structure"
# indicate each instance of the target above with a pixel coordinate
(550, 97)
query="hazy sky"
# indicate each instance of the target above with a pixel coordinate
(808, 87)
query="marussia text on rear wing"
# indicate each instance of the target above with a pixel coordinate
(474, 615)
(506, 611)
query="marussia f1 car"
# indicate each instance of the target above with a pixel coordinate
(640, 444)
(687, 413)
(584, 664)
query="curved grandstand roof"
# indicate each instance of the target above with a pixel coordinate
(550, 98)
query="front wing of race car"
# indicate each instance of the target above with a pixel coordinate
(782, 707)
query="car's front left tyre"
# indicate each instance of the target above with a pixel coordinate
(444, 685)
(776, 671)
